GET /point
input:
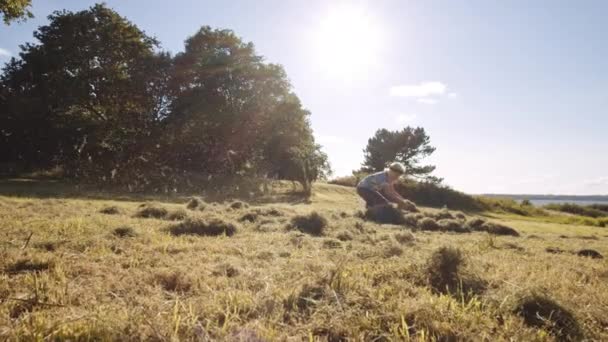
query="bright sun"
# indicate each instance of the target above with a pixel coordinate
(347, 41)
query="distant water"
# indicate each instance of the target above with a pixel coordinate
(542, 202)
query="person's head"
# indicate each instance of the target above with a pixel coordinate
(395, 170)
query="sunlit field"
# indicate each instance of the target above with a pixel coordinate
(87, 267)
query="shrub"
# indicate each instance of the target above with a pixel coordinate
(199, 226)
(542, 312)
(576, 209)
(111, 210)
(436, 195)
(451, 225)
(412, 219)
(428, 223)
(385, 214)
(151, 211)
(313, 223)
(591, 253)
(124, 232)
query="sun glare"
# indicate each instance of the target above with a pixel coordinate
(347, 41)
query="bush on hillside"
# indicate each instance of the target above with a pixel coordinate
(436, 195)
(576, 209)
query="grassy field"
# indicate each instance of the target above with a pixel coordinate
(85, 265)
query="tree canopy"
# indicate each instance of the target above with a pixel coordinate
(408, 146)
(98, 97)
(12, 10)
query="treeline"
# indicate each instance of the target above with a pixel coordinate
(97, 96)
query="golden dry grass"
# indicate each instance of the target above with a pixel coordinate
(70, 272)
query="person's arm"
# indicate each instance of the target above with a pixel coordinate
(392, 194)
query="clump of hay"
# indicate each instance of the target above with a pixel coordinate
(124, 232)
(152, 211)
(195, 203)
(332, 243)
(177, 215)
(344, 236)
(200, 226)
(111, 210)
(498, 229)
(475, 223)
(385, 214)
(443, 214)
(542, 312)
(591, 253)
(443, 269)
(405, 238)
(306, 299)
(272, 212)
(174, 281)
(411, 220)
(27, 265)
(428, 223)
(313, 223)
(239, 205)
(554, 250)
(460, 215)
(451, 225)
(249, 217)
(410, 206)
(226, 270)
(445, 273)
(392, 250)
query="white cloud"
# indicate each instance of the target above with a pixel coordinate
(452, 95)
(5, 53)
(427, 100)
(423, 89)
(330, 139)
(405, 118)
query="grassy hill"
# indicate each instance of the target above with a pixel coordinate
(88, 265)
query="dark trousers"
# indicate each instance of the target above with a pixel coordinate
(371, 197)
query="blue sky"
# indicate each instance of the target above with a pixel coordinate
(514, 94)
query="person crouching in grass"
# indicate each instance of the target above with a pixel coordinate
(378, 188)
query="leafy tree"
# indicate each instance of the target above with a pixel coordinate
(15, 10)
(233, 113)
(408, 146)
(87, 96)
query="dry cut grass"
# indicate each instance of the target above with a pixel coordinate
(291, 271)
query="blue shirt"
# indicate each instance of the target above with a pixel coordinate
(375, 181)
